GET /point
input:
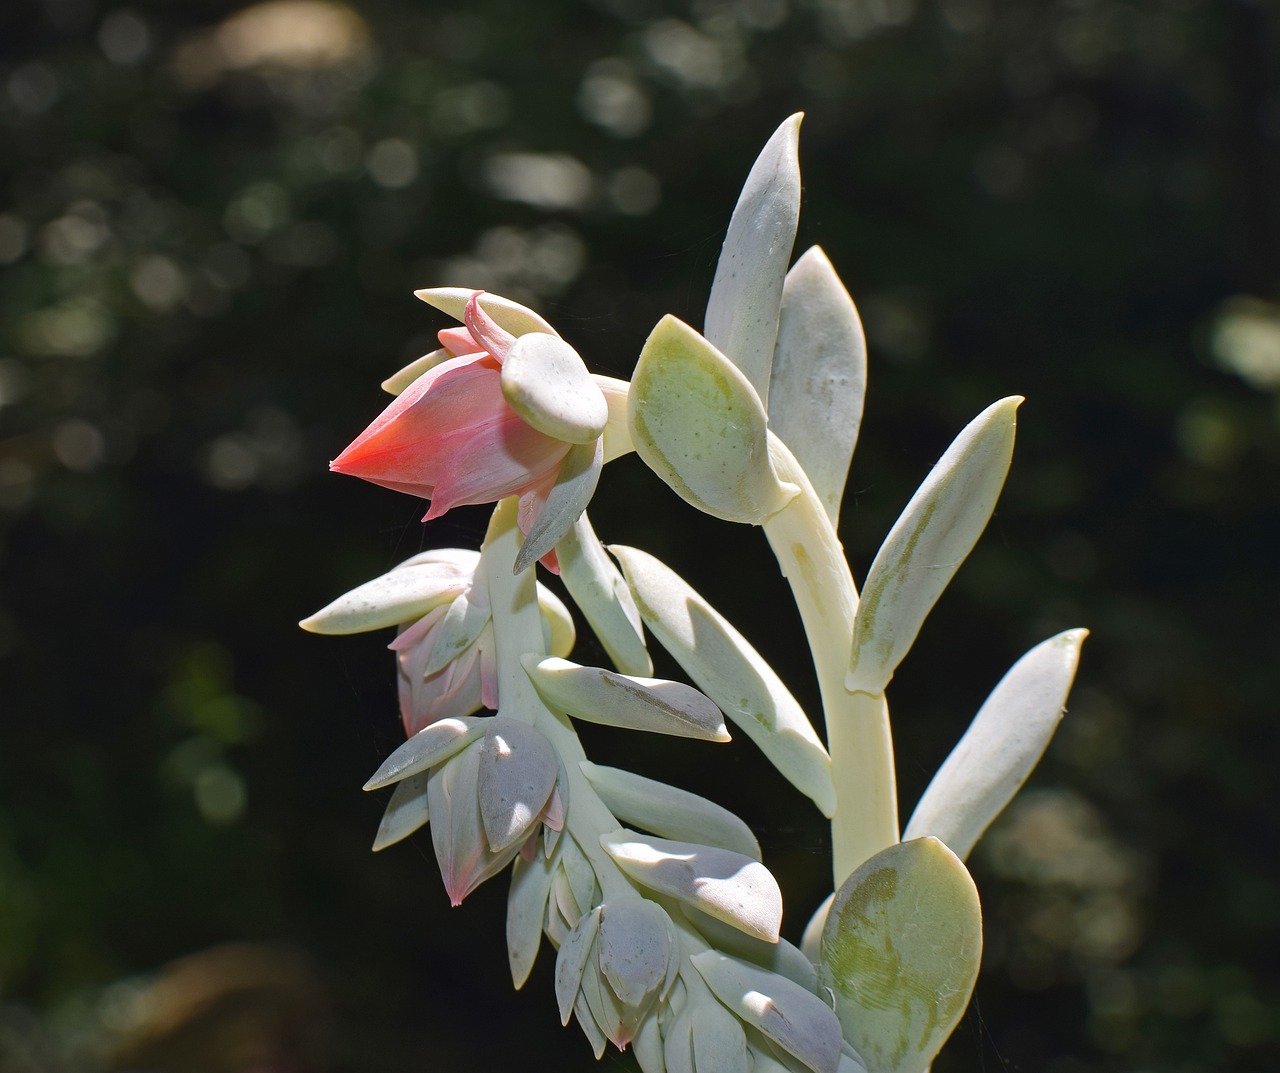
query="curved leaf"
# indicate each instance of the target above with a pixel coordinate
(699, 424)
(819, 376)
(742, 311)
(723, 884)
(1001, 747)
(729, 671)
(927, 544)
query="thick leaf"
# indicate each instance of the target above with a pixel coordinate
(597, 695)
(742, 311)
(900, 953)
(1002, 745)
(726, 885)
(617, 433)
(780, 957)
(927, 544)
(634, 948)
(401, 595)
(508, 315)
(819, 376)
(575, 485)
(729, 671)
(603, 598)
(546, 383)
(457, 833)
(407, 811)
(719, 1044)
(516, 776)
(430, 746)
(699, 425)
(458, 630)
(397, 382)
(669, 812)
(792, 1017)
(573, 960)
(590, 1027)
(526, 908)
(677, 1041)
(581, 876)
(647, 1046)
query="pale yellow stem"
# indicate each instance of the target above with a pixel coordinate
(858, 736)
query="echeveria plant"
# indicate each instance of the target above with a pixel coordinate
(664, 917)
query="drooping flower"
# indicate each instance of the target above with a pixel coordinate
(500, 415)
(445, 647)
(491, 787)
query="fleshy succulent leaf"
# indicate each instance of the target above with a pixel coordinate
(900, 954)
(517, 774)
(575, 485)
(723, 884)
(407, 811)
(508, 315)
(401, 595)
(597, 695)
(603, 597)
(545, 381)
(1001, 747)
(729, 671)
(699, 424)
(572, 962)
(719, 1043)
(669, 812)
(526, 907)
(794, 1018)
(927, 544)
(432, 745)
(742, 311)
(819, 376)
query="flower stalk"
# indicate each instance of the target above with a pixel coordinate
(666, 919)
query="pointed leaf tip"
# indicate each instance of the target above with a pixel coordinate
(1001, 747)
(924, 549)
(742, 310)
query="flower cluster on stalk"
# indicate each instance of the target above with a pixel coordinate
(666, 923)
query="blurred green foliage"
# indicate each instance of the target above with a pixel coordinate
(211, 221)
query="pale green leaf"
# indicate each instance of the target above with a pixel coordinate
(669, 812)
(603, 597)
(742, 311)
(432, 745)
(597, 695)
(516, 777)
(546, 383)
(407, 811)
(900, 954)
(728, 886)
(791, 1016)
(508, 315)
(1001, 747)
(729, 671)
(526, 908)
(575, 485)
(927, 544)
(698, 424)
(819, 376)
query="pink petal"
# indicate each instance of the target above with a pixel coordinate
(485, 331)
(500, 459)
(457, 341)
(406, 445)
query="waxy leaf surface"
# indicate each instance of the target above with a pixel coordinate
(1001, 747)
(927, 544)
(900, 952)
(742, 311)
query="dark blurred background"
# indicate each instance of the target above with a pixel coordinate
(211, 222)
